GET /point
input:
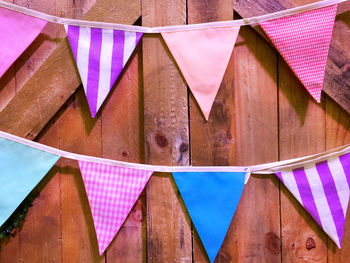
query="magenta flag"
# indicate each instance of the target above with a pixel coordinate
(17, 32)
(112, 192)
(323, 189)
(101, 55)
(303, 41)
(203, 56)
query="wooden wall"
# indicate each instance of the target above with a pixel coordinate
(261, 114)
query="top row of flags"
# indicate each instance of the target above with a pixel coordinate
(202, 55)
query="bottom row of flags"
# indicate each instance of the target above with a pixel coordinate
(211, 198)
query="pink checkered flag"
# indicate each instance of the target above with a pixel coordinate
(303, 41)
(112, 192)
(323, 190)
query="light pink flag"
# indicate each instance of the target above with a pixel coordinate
(112, 192)
(17, 32)
(202, 56)
(303, 41)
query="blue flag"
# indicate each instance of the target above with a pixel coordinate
(211, 199)
(21, 169)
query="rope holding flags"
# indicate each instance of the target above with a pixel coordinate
(101, 50)
(202, 52)
(211, 194)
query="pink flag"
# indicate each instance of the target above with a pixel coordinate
(202, 56)
(17, 32)
(323, 189)
(303, 41)
(112, 192)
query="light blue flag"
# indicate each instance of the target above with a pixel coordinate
(211, 199)
(21, 169)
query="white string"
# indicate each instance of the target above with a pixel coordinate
(267, 168)
(232, 23)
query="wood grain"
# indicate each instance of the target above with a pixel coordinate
(122, 139)
(337, 78)
(166, 136)
(213, 142)
(256, 129)
(338, 131)
(57, 79)
(302, 132)
(81, 134)
(35, 244)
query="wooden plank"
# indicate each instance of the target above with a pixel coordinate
(166, 136)
(122, 139)
(81, 134)
(337, 77)
(40, 236)
(213, 142)
(256, 226)
(9, 246)
(338, 132)
(35, 243)
(56, 80)
(301, 132)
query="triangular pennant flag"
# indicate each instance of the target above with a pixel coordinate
(323, 190)
(303, 41)
(112, 192)
(21, 169)
(101, 55)
(211, 199)
(17, 32)
(203, 56)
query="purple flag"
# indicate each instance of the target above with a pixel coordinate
(101, 55)
(323, 190)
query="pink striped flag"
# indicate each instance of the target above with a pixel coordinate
(323, 189)
(112, 192)
(303, 41)
(17, 32)
(101, 55)
(203, 56)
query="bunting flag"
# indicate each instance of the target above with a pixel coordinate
(203, 56)
(21, 169)
(323, 189)
(101, 55)
(112, 192)
(17, 32)
(211, 199)
(303, 41)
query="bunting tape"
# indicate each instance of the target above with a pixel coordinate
(267, 168)
(232, 23)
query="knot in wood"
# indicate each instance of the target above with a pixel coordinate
(272, 243)
(183, 147)
(310, 243)
(161, 140)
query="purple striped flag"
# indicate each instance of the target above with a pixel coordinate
(323, 189)
(101, 55)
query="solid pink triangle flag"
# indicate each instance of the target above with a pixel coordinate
(303, 41)
(202, 56)
(17, 32)
(112, 192)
